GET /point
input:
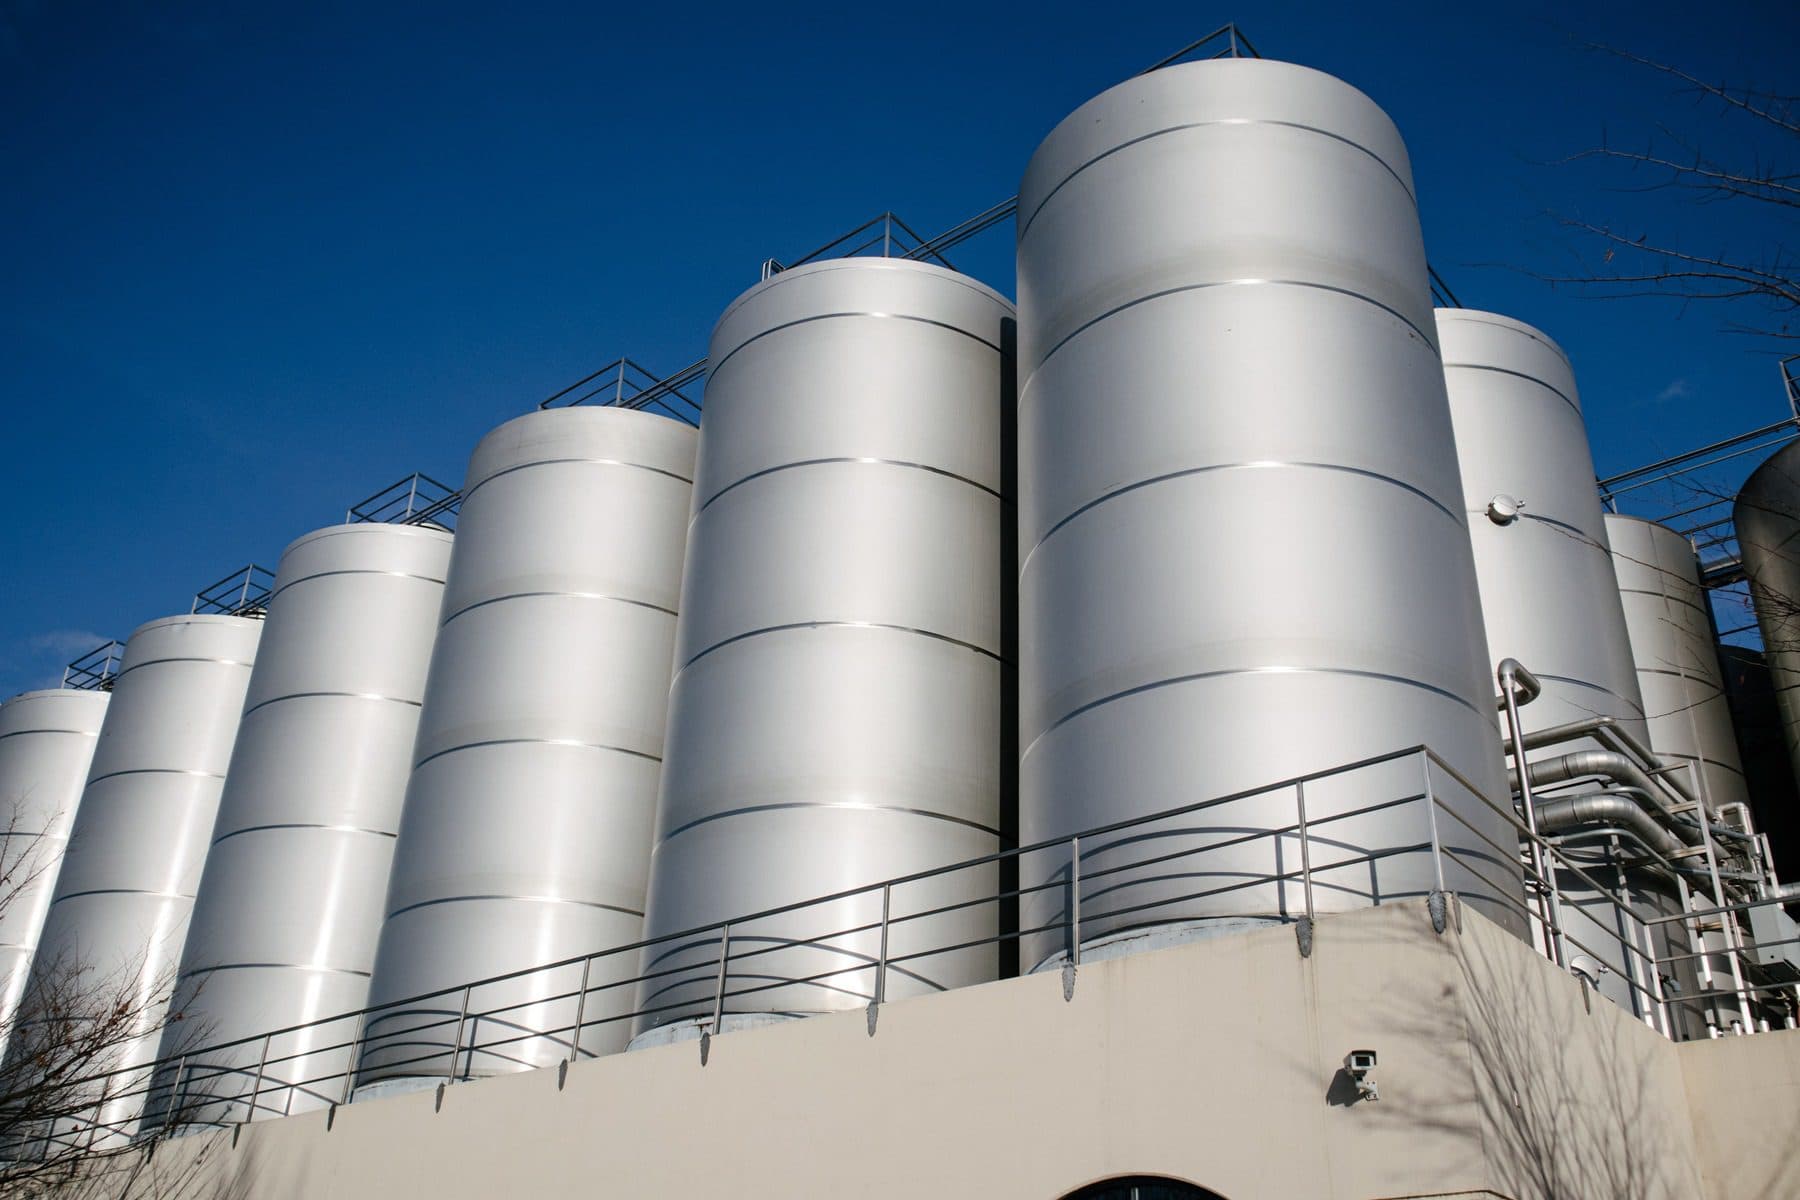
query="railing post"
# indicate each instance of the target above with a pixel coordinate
(1075, 901)
(456, 1042)
(1437, 846)
(1305, 847)
(175, 1093)
(262, 1062)
(718, 1012)
(362, 1024)
(882, 956)
(580, 1009)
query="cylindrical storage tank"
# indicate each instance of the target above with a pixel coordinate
(46, 745)
(1548, 590)
(125, 893)
(1767, 517)
(1756, 720)
(1676, 653)
(1243, 554)
(526, 834)
(290, 906)
(841, 705)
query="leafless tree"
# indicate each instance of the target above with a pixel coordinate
(1757, 180)
(63, 1097)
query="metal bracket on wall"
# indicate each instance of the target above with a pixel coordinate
(1068, 980)
(1303, 933)
(1437, 904)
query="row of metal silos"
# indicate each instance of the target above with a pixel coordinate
(1223, 503)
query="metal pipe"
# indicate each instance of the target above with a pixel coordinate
(1519, 686)
(1605, 808)
(1581, 764)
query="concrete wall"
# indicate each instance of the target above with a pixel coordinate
(1214, 1062)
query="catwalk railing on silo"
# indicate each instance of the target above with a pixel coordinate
(1306, 857)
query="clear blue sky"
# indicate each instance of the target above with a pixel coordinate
(261, 260)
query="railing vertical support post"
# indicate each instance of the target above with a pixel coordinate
(718, 1012)
(456, 1042)
(887, 890)
(175, 1092)
(1437, 845)
(580, 1009)
(1306, 890)
(262, 1063)
(356, 1039)
(1075, 901)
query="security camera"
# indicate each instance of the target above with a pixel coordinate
(1357, 1065)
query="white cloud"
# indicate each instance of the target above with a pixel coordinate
(1677, 389)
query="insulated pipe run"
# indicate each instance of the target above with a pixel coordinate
(1613, 765)
(1569, 812)
(1610, 728)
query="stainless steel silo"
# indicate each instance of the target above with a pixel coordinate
(1767, 517)
(840, 708)
(526, 833)
(289, 909)
(1676, 653)
(1243, 556)
(1548, 590)
(125, 893)
(46, 745)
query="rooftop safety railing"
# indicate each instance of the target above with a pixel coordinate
(415, 499)
(1044, 905)
(243, 593)
(95, 670)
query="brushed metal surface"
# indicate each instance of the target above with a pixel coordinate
(289, 909)
(1242, 550)
(1676, 653)
(526, 834)
(125, 894)
(1548, 591)
(46, 745)
(841, 704)
(1767, 518)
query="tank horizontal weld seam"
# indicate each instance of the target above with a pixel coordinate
(1475, 317)
(1572, 681)
(1548, 387)
(225, 837)
(804, 804)
(157, 771)
(1229, 672)
(535, 741)
(1580, 534)
(572, 595)
(843, 459)
(1667, 617)
(1029, 377)
(794, 625)
(617, 908)
(328, 695)
(351, 571)
(1672, 599)
(275, 966)
(1188, 472)
(712, 373)
(157, 662)
(1189, 126)
(93, 733)
(794, 275)
(594, 462)
(123, 892)
(1678, 673)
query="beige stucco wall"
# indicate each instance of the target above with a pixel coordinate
(1745, 1097)
(1212, 1062)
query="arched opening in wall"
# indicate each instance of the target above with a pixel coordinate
(1142, 1187)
